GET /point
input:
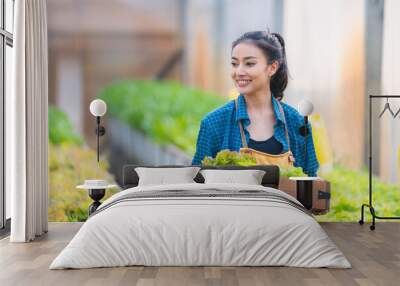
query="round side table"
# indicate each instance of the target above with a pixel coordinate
(96, 193)
(304, 190)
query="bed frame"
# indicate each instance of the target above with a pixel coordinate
(130, 178)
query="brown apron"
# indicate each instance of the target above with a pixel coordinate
(284, 160)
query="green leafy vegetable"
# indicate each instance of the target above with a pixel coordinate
(292, 172)
(227, 157)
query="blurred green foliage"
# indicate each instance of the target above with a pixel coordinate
(69, 166)
(166, 111)
(70, 163)
(349, 190)
(60, 128)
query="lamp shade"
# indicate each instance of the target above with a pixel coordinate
(305, 107)
(98, 107)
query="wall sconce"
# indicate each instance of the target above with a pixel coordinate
(98, 108)
(305, 108)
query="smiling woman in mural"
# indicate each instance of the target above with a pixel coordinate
(257, 122)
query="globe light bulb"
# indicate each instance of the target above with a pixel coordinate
(98, 107)
(305, 107)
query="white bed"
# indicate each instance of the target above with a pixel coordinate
(269, 229)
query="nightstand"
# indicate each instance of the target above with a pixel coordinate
(96, 190)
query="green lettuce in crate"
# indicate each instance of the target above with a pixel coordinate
(292, 172)
(227, 157)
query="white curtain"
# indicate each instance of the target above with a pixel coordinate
(26, 123)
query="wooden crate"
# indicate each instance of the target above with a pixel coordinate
(321, 193)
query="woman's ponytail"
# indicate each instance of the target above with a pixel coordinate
(279, 80)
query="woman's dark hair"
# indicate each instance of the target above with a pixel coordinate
(273, 47)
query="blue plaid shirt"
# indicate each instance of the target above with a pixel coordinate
(219, 130)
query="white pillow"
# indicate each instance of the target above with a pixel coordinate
(249, 177)
(162, 176)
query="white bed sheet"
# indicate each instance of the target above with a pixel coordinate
(200, 231)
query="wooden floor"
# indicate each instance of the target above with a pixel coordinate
(374, 255)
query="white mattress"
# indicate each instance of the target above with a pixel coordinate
(183, 231)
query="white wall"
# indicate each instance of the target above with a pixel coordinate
(69, 90)
(325, 51)
(390, 133)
